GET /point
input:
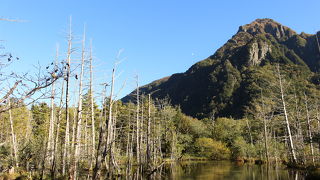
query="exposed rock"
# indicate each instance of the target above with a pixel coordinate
(270, 26)
(227, 82)
(257, 52)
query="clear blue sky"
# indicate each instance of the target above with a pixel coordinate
(159, 37)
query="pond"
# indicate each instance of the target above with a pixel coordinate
(226, 170)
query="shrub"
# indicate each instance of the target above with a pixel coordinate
(212, 149)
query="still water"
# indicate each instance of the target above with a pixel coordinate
(225, 170)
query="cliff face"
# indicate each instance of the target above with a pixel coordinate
(263, 26)
(224, 83)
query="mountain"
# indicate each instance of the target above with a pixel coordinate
(230, 80)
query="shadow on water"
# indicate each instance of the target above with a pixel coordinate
(222, 170)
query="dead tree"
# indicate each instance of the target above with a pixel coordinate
(309, 127)
(265, 131)
(13, 138)
(55, 147)
(79, 123)
(92, 111)
(149, 132)
(51, 123)
(101, 149)
(138, 122)
(66, 155)
(292, 150)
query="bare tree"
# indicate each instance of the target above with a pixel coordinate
(79, 117)
(101, 149)
(13, 138)
(138, 122)
(92, 111)
(55, 148)
(66, 156)
(149, 132)
(309, 127)
(52, 121)
(292, 150)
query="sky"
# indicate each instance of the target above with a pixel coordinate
(157, 37)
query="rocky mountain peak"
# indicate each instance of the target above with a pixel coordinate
(266, 25)
(230, 80)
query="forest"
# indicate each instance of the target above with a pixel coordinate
(54, 124)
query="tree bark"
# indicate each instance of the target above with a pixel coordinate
(309, 128)
(13, 137)
(92, 112)
(149, 131)
(137, 122)
(53, 168)
(293, 154)
(265, 131)
(50, 148)
(66, 156)
(101, 149)
(79, 117)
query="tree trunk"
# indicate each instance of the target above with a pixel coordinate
(138, 123)
(110, 140)
(293, 154)
(309, 128)
(50, 148)
(92, 112)
(265, 132)
(66, 156)
(79, 117)
(101, 149)
(149, 132)
(13, 137)
(55, 148)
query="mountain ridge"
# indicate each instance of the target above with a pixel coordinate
(216, 85)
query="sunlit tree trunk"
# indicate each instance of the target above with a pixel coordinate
(293, 154)
(129, 146)
(137, 123)
(110, 140)
(142, 155)
(309, 128)
(265, 132)
(74, 123)
(149, 132)
(53, 168)
(13, 137)
(92, 112)
(318, 125)
(299, 137)
(50, 147)
(85, 151)
(79, 117)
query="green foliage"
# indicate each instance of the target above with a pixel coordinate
(212, 149)
(227, 83)
(241, 149)
(192, 126)
(5, 158)
(227, 130)
(40, 114)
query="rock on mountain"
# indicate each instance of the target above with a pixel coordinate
(226, 83)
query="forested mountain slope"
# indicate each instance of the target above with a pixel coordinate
(230, 81)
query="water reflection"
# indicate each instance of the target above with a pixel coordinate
(222, 170)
